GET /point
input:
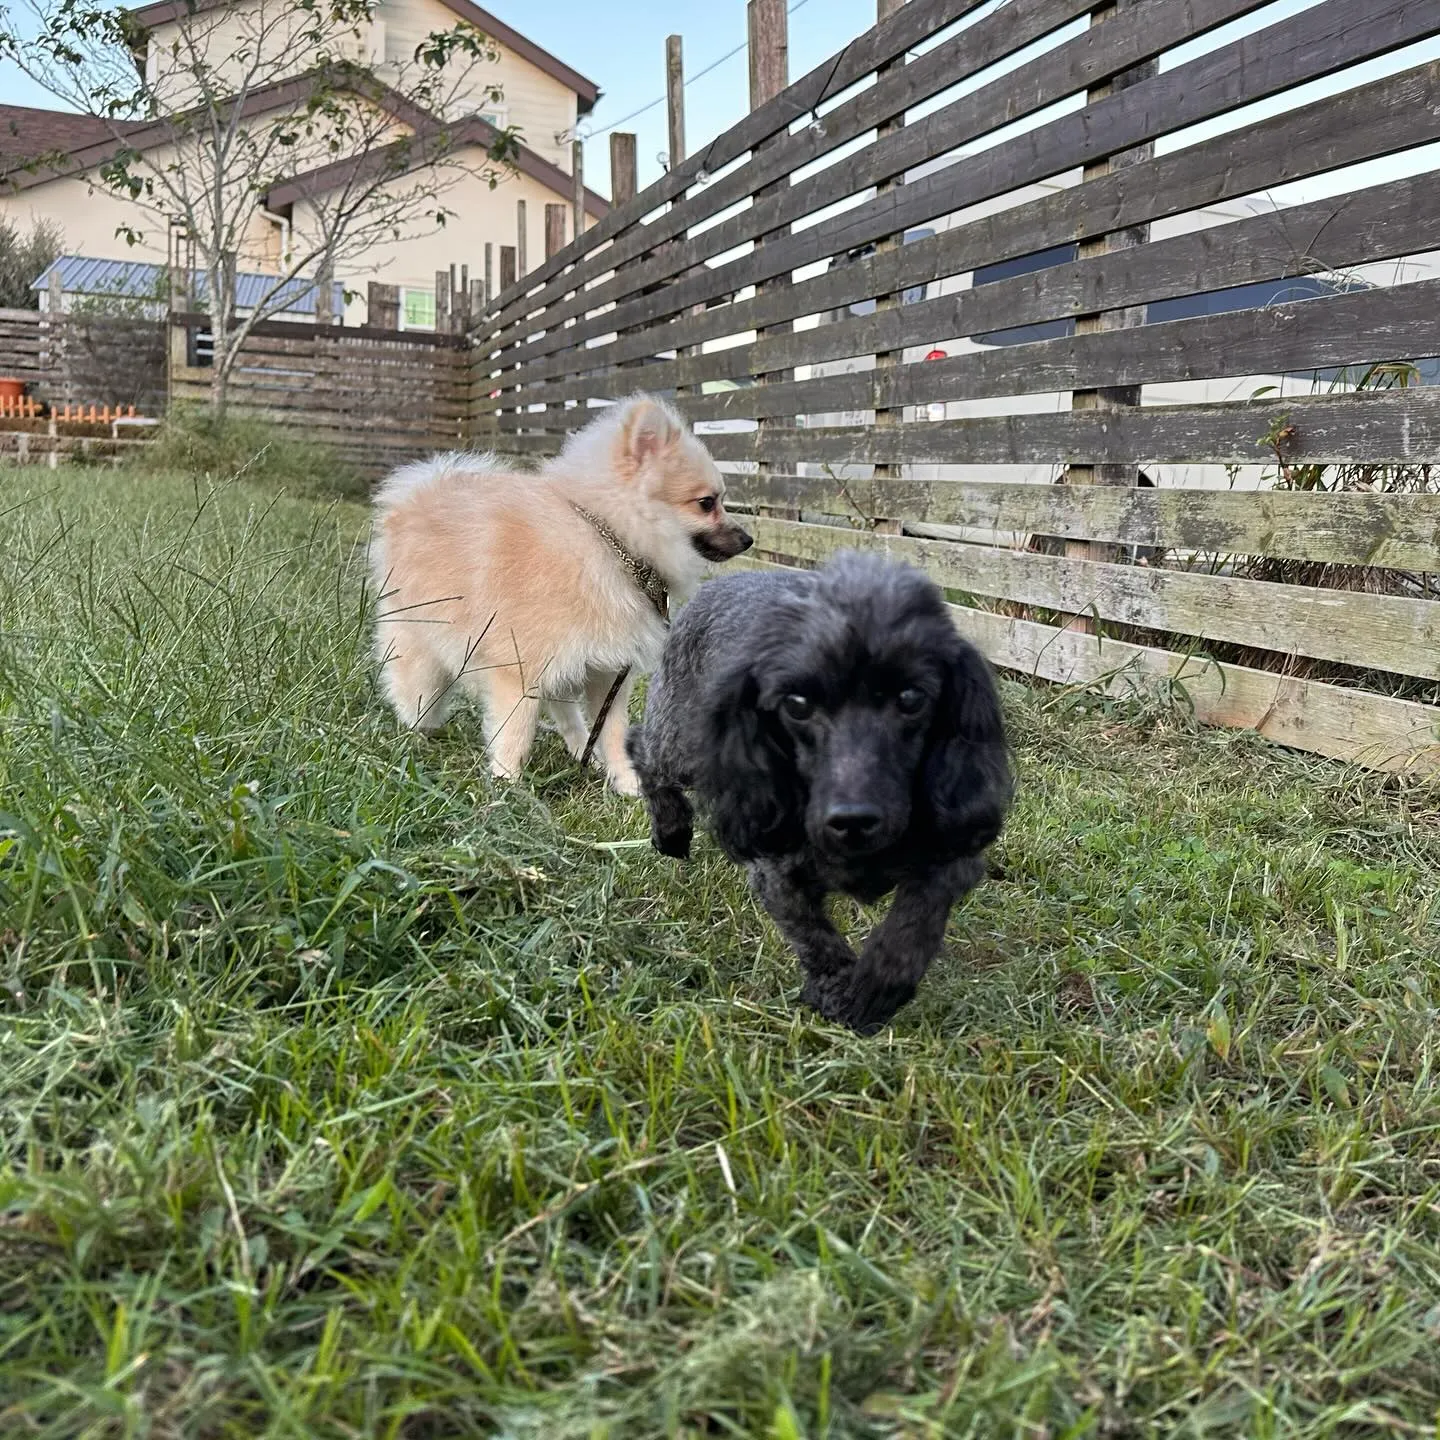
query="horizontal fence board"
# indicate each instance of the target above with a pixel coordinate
(979, 46)
(1380, 632)
(1374, 121)
(1082, 62)
(1308, 46)
(1354, 726)
(1399, 531)
(307, 331)
(1389, 221)
(912, 24)
(1357, 727)
(1369, 428)
(1355, 329)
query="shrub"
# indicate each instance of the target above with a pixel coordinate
(245, 447)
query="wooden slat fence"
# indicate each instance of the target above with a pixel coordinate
(378, 396)
(117, 361)
(1301, 602)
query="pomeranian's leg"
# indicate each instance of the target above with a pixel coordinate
(570, 720)
(512, 714)
(417, 682)
(611, 742)
(672, 819)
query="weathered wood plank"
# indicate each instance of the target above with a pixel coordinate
(1380, 224)
(1373, 121)
(1399, 531)
(979, 46)
(866, 53)
(1356, 329)
(1303, 48)
(1367, 428)
(1376, 632)
(1308, 46)
(1355, 726)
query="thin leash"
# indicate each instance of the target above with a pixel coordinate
(651, 585)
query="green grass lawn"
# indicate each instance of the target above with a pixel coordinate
(343, 1093)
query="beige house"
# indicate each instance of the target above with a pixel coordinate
(50, 160)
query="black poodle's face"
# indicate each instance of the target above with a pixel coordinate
(858, 723)
(858, 741)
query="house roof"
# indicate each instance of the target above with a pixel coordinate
(96, 139)
(586, 91)
(139, 280)
(27, 133)
(473, 131)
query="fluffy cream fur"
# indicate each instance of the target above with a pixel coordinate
(490, 583)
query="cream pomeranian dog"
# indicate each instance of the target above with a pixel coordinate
(552, 587)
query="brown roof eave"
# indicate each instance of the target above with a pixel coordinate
(586, 91)
(476, 132)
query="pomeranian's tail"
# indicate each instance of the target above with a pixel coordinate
(399, 485)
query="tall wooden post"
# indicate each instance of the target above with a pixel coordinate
(1112, 397)
(489, 271)
(442, 302)
(769, 75)
(624, 172)
(325, 295)
(554, 230)
(521, 236)
(888, 417)
(675, 98)
(577, 193)
(509, 266)
(383, 309)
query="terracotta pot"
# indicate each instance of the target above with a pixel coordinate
(11, 389)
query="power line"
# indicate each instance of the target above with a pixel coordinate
(698, 75)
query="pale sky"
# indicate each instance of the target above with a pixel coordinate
(620, 45)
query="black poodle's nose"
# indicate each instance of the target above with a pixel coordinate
(853, 826)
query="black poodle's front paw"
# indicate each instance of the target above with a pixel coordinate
(864, 1006)
(674, 842)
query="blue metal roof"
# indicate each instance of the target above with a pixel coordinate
(138, 280)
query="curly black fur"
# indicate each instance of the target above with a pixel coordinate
(839, 735)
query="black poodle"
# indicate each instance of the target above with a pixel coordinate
(839, 735)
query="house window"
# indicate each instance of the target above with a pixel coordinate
(418, 312)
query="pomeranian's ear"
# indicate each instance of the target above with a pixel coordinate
(648, 430)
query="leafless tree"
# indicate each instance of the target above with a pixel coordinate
(230, 109)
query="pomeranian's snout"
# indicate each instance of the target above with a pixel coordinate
(724, 542)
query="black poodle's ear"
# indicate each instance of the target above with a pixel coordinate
(967, 780)
(746, 774)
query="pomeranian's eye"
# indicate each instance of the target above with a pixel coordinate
(706, 503)
(797, 707)
(911, 702)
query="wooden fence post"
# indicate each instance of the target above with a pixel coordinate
(489, 271)
(888, 417)
(577, 197)
(675, 99)
(624, 172)
(325, 295)
(768, 24)
(675, 157)
(509, 266)
(554, 229)
(383, 309)
(442, 302)
(522, 236)
(1113, 397)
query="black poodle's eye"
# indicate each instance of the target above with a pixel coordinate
(912, 702)
(798, 707)
(706, 503)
